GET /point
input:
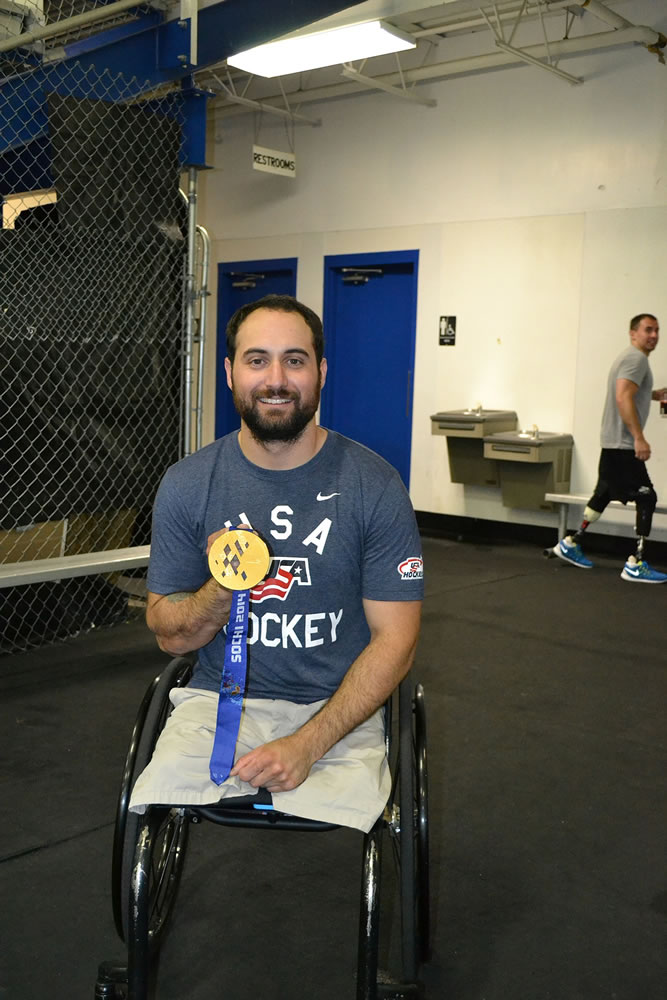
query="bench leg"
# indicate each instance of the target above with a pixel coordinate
(562, 519)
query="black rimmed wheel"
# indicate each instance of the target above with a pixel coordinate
(411, 834)
(423, 891)
(171, 831)
(399, 836)
(154, 876)
(405, 835)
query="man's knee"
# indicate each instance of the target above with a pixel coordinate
(598, 502)
(646, 498)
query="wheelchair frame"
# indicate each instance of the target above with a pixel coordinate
(149, 850)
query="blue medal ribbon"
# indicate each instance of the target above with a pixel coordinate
(232, 688)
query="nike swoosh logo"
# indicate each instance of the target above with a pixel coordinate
(328, 496)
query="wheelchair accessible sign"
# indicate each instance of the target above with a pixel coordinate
(273, 161)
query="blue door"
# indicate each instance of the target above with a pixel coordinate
(370, 308)
(240, 282)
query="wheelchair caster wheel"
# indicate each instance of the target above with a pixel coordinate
(398, 991)
(111, 982)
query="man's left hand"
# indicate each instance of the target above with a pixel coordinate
(278, 766)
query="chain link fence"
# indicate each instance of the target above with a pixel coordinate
(93, 252)
(66, 20)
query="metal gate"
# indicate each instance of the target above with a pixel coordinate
(99, 302)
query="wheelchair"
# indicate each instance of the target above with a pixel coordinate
(149, 850)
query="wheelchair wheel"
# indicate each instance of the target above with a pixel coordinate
(411, 835)
(421, 818)
(170, 833)
(157, 866)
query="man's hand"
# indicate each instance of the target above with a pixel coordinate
(642, 448)
(187, 620)
(222, 531)
(278, 766)
(284, 764)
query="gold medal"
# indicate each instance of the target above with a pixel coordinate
(239, 559)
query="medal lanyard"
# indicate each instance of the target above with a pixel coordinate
(238, 560)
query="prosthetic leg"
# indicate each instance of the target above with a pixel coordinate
(636, 569)
(569, 548)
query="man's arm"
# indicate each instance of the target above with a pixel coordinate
(283, 764)
(625, 401)
(659, 394)
(185, 621)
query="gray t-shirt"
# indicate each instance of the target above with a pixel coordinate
(339, 528)
(633, 365)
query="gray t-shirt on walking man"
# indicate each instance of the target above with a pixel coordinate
(339, 529)
(633, 365)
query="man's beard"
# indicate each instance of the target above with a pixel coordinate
(279, 427)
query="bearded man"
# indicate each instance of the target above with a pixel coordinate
(332, 629)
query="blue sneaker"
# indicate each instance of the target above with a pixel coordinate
(571, 552)
(639, 571)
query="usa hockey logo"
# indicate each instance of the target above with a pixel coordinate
(411, 569)
(285, 573)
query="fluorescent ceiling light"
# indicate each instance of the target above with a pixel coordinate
(322, 48)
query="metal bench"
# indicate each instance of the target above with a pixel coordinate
(565, 500)
(62, 567)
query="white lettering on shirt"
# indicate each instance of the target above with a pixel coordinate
(271, 629)
(281, 522)
(265, 619)
(335, 621)
(319, 536)
(312, 629)
(288, 630)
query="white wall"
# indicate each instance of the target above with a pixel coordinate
(540, 213)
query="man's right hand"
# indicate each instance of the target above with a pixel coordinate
(642, 448)
(212, 538)
(186, 621)
(222, 531)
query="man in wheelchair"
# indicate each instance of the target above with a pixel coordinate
(332, 628)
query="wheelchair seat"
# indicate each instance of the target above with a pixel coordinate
(149, 850)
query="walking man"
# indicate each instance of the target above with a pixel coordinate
(622, 471)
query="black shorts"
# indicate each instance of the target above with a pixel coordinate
(620, 474)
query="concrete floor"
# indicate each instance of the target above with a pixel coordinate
(545, 693)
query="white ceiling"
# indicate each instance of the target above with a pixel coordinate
(454, 37)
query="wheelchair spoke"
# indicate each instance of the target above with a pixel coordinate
(166, 864)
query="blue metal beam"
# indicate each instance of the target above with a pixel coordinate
(147, 22)
(131, 59)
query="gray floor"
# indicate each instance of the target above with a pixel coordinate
(546, 701)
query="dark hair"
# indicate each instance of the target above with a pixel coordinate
(279, 303)
(636, 320)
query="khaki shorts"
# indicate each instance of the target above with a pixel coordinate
(349, 786)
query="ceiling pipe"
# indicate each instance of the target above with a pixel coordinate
(507, 14)
(456, 7)
(471, 64)
(603, 13)
(374, 84)
(229, 95)
(520, 54)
